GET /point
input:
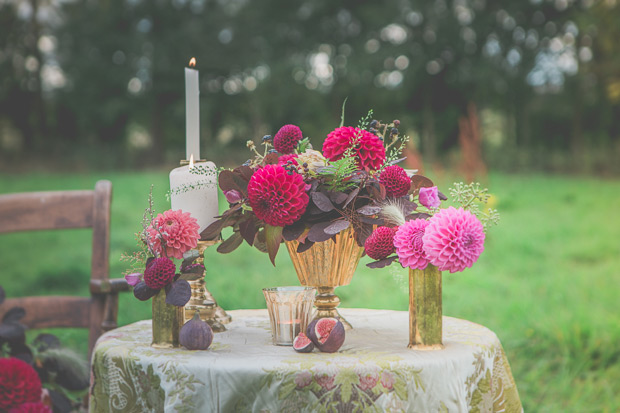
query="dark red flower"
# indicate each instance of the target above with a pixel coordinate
(368, 148)
(395, 180)
(19, 383)
(277, 197)
(380, 243)
(31, 408)
(282, 160)
(285, 141)
(159, 273)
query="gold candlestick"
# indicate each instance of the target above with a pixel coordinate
(202, 300)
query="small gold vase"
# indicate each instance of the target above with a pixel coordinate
(425, 309)
(167, 322)
(327, 265)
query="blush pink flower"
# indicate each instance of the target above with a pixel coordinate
(277, 197)
(429, 197)
(453, 240)
(409, 245)
(368, 148)
(368, 379)
(303, 379)
(325, 380)
(387, 379)
(179, 231)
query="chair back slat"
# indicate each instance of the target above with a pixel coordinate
(53, 311)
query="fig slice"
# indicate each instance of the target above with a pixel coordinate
(327, 334)
(302, 344)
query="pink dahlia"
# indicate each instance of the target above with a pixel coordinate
(179, 231)
(282, 160)
(368, 148)
(277, 197)
(395, 180)
(19, 383)
(429, 197)
(380, 243)
(454, 239)
(159, 273)
(31, 408)
(409, 245)
(285, 141)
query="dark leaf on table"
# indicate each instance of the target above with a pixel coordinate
(45, 341)
(369, 210)
(322, 201)
(317, 232)
(143, 292)
(337, 226)
(351, 197)
(179, 294)
(248, 229)
(338, 197)
(382, 263)
(304, 246)
(14, 314)
(293, 231)
(230, 244)
(273, 238)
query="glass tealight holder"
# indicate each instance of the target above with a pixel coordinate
(289, 312)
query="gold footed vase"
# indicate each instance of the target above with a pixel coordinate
(425, 309)
(327, 265)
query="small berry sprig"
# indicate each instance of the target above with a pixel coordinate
(470, 197)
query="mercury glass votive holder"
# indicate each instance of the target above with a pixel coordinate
(289, 312)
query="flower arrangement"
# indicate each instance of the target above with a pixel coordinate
(294, 192)
(164, 237)
(37, 377)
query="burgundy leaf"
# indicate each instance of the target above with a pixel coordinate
(417, 216)
(362, 233)
(143, 292)
(273, 238)
(230, 244)
(248, 229)
(419, 181)
(322, 201)
(337, 226)
(304, 246)
(369, 210)
(382, 263)
(442, 196)
(372, 221)
(229, 180)
(317, 232)
(293, 231)
(12, 331)
(214, 230)
(338, 197)
(351, 197)
(244, 171)
(13, 315)
(259, 241)
(271, 159)
(179, 294)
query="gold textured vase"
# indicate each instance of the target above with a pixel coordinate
(327, 265)
(167, 322)
(425, 309)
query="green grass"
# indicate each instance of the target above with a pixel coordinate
(547, 282)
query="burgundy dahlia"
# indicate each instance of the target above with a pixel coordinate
(453, 240)
(368, 148)
(285, 141)
(395, 180)
(277, 197)
(159, 273)
(380, 243)
(19, 383)
(409, 245)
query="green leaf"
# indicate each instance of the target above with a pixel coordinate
(273, 237)
(342, 115)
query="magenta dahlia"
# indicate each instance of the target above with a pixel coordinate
(277, 197)
(282, 160)
(409, 245)
(179, 231)
(31, 408)
(159, 273)
(453, 240)
(19, 383)
(380, 243)
(285, 141)
(395, 180)
(368, 148)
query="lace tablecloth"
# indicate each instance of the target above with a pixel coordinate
(243, 371)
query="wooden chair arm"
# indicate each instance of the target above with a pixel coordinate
(110, 286)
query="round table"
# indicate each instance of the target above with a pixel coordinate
(243, 371)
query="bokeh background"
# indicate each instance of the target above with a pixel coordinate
(523, 96)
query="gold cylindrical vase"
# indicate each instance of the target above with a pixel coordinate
(327, 265)
(167, 322)
(425, 309)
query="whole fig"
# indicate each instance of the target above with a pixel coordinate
(196, 334)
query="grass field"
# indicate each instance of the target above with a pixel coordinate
(547, 283)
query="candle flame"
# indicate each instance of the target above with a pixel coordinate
(192, 62)
(191, 161)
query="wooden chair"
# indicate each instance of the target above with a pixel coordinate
(63, 210)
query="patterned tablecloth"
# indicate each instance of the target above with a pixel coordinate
(244, 371)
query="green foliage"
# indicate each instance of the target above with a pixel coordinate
(470, 197)
(338, 173)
